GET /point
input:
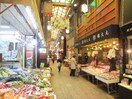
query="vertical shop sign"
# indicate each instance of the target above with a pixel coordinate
(48, 9)
(29, 58)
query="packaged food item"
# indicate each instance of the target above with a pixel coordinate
(125, 81)
(127, 66)
(131, 84)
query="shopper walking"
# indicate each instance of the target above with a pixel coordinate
(59, 64)
(73, 65)
(53, 58)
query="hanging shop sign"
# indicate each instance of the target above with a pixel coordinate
(48, 9)
(127, 29)
(111, 31)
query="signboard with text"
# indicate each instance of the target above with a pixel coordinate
(111, 31)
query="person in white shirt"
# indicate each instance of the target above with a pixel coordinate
(73, 64)
(111, 56)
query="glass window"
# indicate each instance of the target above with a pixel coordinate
(129, 50)
(11, 46)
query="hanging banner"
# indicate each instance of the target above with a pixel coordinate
(60, 23)
(48, 9)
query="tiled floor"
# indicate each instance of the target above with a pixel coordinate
(67, 87)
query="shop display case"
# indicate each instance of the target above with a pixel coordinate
(25, 83)
(125, 86)
(101, 74)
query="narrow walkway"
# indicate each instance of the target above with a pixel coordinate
(67, 87)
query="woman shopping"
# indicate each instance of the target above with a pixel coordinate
(73, 64)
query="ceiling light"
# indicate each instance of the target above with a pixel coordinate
(49, 27)
(84, 8)
(31, 16)
(75, 5)
(69, 15)
(62, 37)
(67, 31)
(62, 0)
(129, 51)
(114, 42)
(4, 26)
(117, 44)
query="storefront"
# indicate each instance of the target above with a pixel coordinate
(100, 42)
(125, 86)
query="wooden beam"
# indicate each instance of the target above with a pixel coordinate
(6, 9)
(62, 4)
(24, 2)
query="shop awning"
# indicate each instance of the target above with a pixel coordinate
(34, 6)
(111, 31)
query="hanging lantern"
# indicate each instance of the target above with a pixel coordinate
(84, 8)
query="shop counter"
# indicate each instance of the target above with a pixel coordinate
(89, 74)
(108, 82)
(125, 91)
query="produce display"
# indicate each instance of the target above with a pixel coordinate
(125, 81)
(5, 73)
(25, 84)
(128, 69)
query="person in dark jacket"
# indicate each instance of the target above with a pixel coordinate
(79, 59)
(85, 58)
(59, 62)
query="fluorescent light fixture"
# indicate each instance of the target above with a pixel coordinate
(34, 42)
(67, 31)
(9, 32)
(40, 36)
(42, 42)
(31, 16)
(84, 8)
(4, 26)
(9, 37)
